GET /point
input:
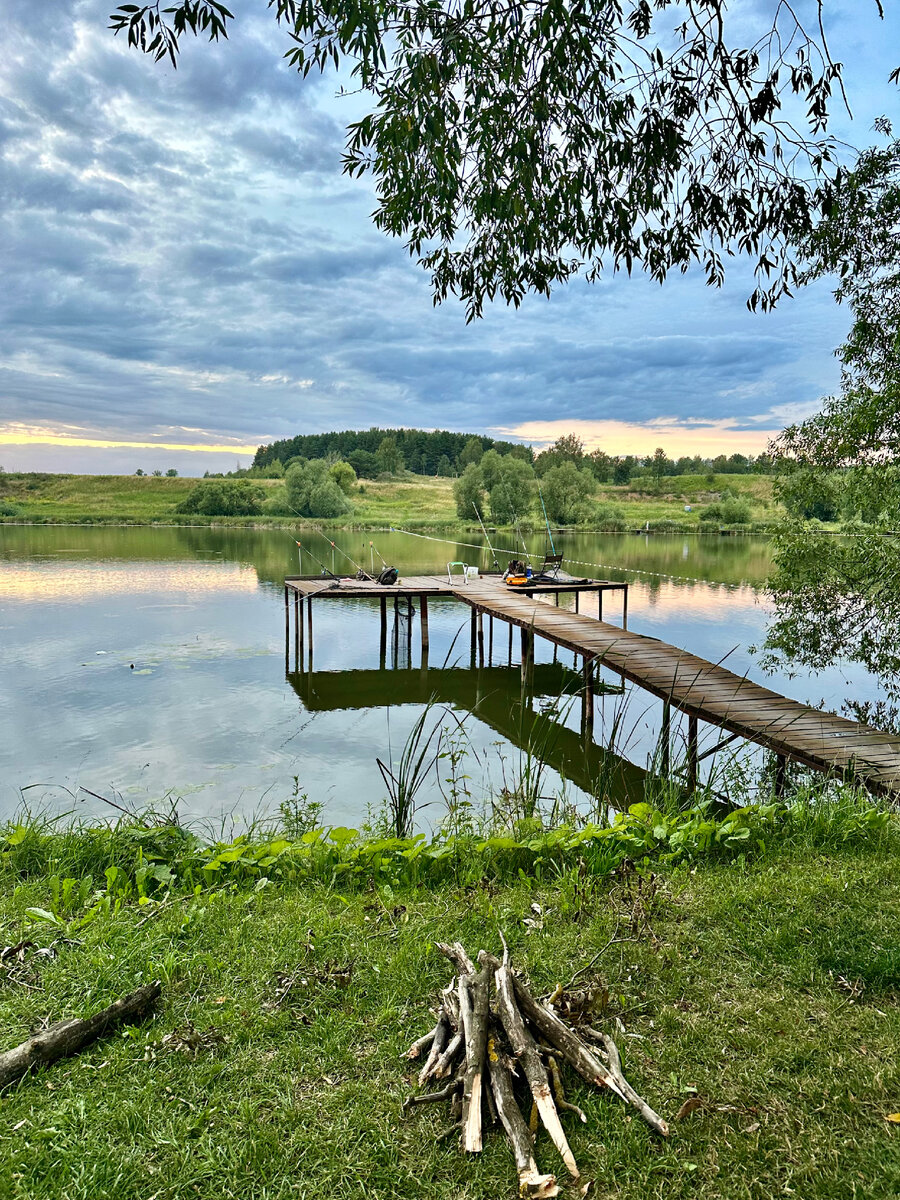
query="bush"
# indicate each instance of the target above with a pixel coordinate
(728, 512)
(610, 518)
(344, 476)
(223, 498)
(512, 489)
(8, 509)
(312, 492)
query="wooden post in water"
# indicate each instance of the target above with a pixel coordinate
(509, 661)
(299, 618)
(287, 631)
(309, 629)
(599, 604)
(665, 740)
(480, 638)
(382, 649)
(473, 632)
(409, 625)
(692, 754)
(490, 640)
(423, 612)
(625, 607)
(297, 630)
(587, 699)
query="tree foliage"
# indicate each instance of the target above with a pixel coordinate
(515, 143)
(567, 491)
(312, 492)
(468, 492)
(511, 489)
(840, 597)
(343, 475)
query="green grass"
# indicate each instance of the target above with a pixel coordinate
(417, 502)
(768, 989)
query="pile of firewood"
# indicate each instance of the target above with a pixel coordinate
(480, 1048)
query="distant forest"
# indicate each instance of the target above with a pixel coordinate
(435, 453)
(373, 452)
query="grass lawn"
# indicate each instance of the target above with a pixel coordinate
(767, 991)
(414, 501)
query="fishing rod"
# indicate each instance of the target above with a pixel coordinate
(335, 546)
(486, 538)
(546, 521)
(325, 570)
(378, 552)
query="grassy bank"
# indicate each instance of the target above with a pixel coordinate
(414, 501)
(759, 979)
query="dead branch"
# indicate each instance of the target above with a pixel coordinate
(69, 1036)
(531, 1182)
(526, 1051)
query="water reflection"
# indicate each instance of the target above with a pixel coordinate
(206, 710)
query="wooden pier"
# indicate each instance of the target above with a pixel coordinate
(702, 690)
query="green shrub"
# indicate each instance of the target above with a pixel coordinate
(728, 512)
(8, 509)
(312, 492)
(344, 476)
(223, 498)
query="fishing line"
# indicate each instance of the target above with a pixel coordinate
(335, 546)
(579, 562)
(546, 521)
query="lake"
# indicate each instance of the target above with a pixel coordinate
(145, 663)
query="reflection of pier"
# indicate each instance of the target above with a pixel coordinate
(495, 697)
(700, 689)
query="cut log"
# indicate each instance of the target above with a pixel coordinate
(474, 1005)
(653, 1119)
(525, 1049)
(69, 1036)
(531, 1181)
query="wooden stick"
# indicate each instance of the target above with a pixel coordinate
(653, 1119)
(419, 1044)
(69, 1036)
(531, 1182)
(457, 955)
(474, 1004)
(439, 1041)
(525, 1049)
(444, 1064)
(433, 1097)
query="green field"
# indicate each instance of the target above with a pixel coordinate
(416, 501)
(763, 990)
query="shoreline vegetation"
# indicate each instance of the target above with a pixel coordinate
(747, 962)
(419, 503)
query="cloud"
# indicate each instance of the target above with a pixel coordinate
(181, 249)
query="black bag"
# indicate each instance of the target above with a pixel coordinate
(388, 576)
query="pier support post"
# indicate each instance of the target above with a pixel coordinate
(625, 606)
(509, 661)
(599, 604)
(297, 630)
(780, 775)
(527, 658)
(490, 640)
(382, 650)
(587, 699)
(576, 601)
(473, 630)
(287, 631)
(423, 612)
(665, 741)
(480, 638)
(692, 754)
(309, 629)
(299, 618)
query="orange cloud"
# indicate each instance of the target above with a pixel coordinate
(677, 437)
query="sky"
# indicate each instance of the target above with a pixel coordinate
(187, 274)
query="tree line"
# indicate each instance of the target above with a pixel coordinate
(373, 452)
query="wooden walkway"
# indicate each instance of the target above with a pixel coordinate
(702, 690)
(709, 692)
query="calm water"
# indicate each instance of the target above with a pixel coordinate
(141, 663)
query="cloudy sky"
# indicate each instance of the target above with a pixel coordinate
(187, 273)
